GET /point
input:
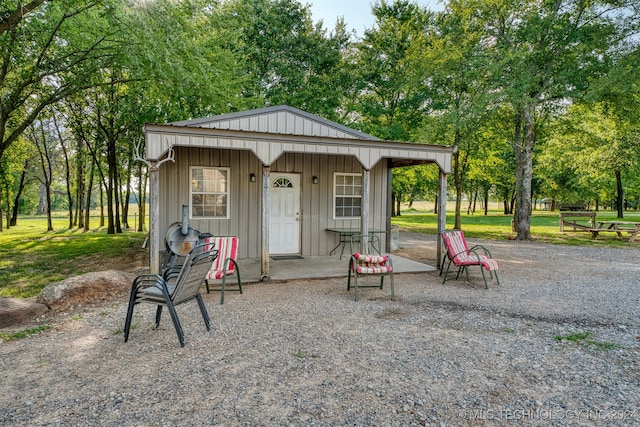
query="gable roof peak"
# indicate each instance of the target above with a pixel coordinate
(278, 119)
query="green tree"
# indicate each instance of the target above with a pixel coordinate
(388, 64)
(46, 56)
(455, 65)
(546, 52)
(285, 58)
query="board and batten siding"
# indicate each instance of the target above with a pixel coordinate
(245, 197)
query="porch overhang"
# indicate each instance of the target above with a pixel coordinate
(268, 147)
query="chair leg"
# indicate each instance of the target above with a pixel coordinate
(444, 257)
(224, 279)
(238, 276)
(355, 285)
(349, 280)
(127, 322)
(176, 322)
(381, 281)
(483, 277)
(203, 310)
(158, 315)
(446, 273)
(224, 283)
(206, 283)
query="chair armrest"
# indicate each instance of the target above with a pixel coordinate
(225, 266)
(476, 247)
(469, 252)
(171, 273)
(145, 281)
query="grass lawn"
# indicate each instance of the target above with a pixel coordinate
(31, 257)
(545, 226)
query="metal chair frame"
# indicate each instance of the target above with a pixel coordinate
(227, 256)
(175, 287)
(463, 256)
(369, 265)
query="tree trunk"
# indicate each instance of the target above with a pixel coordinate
(125, 200)
(486, 201)
(88, 201)
(101, 206)
(49, 219)
(1, 211)
(459, 171)
(80, 179)
(620, 194)
(16, 202)
(523, 143)
(67, 170)
(475, 200)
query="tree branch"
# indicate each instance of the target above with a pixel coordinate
(15, 17)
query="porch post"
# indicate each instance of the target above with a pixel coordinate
(154, 218)
(442, 213)
(364, 213)
(389, 213)
(266, 215)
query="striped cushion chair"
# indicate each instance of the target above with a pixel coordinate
(370, 265)
(462, 256)
(226, 264)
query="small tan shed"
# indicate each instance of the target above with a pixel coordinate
(277, 178)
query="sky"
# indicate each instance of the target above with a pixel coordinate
(357, 13)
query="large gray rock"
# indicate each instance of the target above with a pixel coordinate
(14, 311)
(87, 288)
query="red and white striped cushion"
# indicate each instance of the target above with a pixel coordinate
(458, 250)
(227, 248)
(372, 264)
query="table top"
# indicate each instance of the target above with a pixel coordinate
(353, 230)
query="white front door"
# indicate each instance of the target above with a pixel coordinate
(284, 231)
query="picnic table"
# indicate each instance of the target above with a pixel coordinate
(345, 237)
(617, 227)
(573, 220)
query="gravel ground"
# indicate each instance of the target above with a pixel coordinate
(303, 353)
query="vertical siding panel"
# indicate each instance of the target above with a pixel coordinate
(244, 200)
(306, 204)
(324, 204)
(245, 197)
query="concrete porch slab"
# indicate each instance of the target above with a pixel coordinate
(317, 267)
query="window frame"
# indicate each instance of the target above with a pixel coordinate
(335, 195)
(227, 193)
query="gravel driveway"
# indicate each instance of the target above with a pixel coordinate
(555, 344)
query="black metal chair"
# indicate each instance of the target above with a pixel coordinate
(175, 288)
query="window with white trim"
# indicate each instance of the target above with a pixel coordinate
(209, 192)
(347, 199)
